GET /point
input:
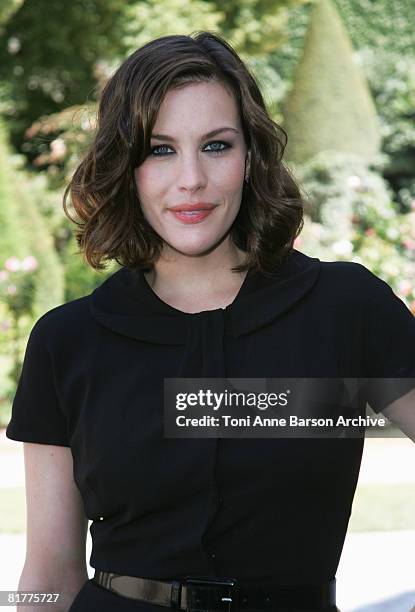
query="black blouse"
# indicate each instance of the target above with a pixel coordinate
(261, 510)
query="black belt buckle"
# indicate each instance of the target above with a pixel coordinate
(205, 593)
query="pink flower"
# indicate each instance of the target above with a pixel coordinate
(5, 325)
(12, 264)
(58, 149)
(370, 232)
(29, 263)
(11, 289)
(405, 287)
(409, 244)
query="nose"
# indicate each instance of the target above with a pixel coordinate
(192, 175)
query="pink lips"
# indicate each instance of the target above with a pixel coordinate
(191, 216)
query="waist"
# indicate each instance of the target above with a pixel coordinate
(220, 593)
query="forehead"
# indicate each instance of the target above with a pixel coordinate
(198, 104)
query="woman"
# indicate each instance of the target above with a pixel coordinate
(184, 186)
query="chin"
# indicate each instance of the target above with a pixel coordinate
(193, 251)
(194, 247)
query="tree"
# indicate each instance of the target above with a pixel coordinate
(48, 53)
(329, 106)
(7, 8)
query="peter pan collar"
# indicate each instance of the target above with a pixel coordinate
(125, 303)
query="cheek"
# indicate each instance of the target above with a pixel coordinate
(230, 176)
(148, 183)
(142, 178)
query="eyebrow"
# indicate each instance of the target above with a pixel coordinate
(208, 135)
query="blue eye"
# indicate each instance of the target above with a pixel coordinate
(155, 151)
(157, 148)
(226, 145)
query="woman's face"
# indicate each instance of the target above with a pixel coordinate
(188, 166)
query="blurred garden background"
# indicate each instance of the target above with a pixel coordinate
(338, 75)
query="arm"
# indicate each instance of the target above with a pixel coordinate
(402, 413)
(56, 526)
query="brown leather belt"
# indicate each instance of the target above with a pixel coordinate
(218, 593)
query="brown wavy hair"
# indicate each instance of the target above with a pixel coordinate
(103, 190)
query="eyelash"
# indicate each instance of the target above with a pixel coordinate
(215, 152)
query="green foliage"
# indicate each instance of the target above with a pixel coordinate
(12, 236)
(48, 52)
(57, 142)
(284, 59)
(392, 82)
(18, 281)
(80, 278)
(381, 25)
(384, 33)
(60, 139)
(351, 216)
(27, 232)
(7, 9)
(334, 183)
(385, 241)
(49, 289)
(329, 106)
(253, 27)
(256, 27)
(145, 21)
(273, 87)
(17, 287)
(383, 37)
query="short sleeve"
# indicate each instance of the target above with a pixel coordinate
(36, 412)
(390, 346)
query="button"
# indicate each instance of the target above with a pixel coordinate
(101, 518)
(213, 555)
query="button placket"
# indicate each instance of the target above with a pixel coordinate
(204, 357)
(212, 336)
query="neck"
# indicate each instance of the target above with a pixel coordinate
(207, 274)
